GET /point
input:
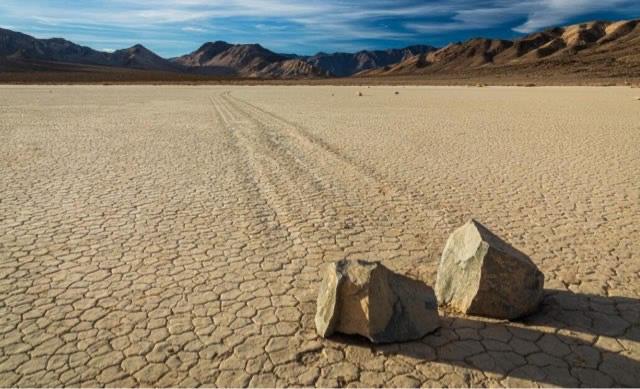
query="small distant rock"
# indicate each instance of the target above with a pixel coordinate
(366, 298)
(480, 274)
(396, 92)
(359, 93)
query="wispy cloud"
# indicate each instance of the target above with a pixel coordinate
(537, 14)
(546, 13)
(465, 18)
(193, 29)
(304, 24)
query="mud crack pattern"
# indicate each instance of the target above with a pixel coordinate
(172, 236)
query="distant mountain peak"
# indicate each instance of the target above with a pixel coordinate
(229, 59)
(213, 45)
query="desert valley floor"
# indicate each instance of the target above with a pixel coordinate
(173, 235)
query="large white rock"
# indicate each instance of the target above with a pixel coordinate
(366, 298)
(480, 274)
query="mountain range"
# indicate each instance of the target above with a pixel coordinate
(19, 51)
(598, 47)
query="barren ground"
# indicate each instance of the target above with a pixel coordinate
(173, 236)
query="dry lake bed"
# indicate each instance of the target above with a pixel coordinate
(173, 235)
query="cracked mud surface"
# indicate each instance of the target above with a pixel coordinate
(172, 236)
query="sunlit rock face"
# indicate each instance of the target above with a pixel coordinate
(480, 274)
(366, 298)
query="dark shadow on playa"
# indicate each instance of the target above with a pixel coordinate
(617, 317)
(574, 340)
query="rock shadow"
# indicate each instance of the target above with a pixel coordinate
(617, 317)
(574, 340)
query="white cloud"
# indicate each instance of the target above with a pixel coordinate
(193, 29)
(538, 14)
(552, 12)
(469, 18)
(315, 17)
(334, 23)
(464, 14)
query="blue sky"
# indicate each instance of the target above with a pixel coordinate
(174, 27)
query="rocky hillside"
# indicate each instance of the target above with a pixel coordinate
(227, 59)
(348, 64)
(246, 60)
(291, 69)
(594, 45)
(17, 48)
(139, 57)
(255, 61)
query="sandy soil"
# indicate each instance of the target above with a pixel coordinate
(161, 236)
